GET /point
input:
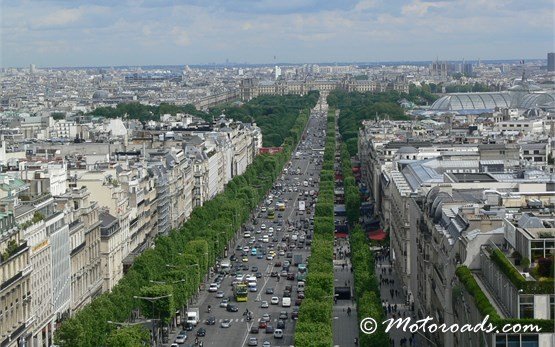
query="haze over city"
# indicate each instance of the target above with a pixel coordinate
(163, 32)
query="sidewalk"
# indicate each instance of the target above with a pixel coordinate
(345, 326)
(393, 301)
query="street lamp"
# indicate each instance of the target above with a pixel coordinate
(152, 300)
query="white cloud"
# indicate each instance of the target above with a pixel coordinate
(180, 36)
(419, 8)
(247, 26)
(367, 4)
(61, 17)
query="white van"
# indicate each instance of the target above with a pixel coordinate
(286, 302)
(300, 287)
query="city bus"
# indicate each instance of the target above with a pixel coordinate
(271, 213)
(241, 292)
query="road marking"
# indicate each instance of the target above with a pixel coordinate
(247, 333)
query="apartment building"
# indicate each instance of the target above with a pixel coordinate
(16, 315)
(447, 206)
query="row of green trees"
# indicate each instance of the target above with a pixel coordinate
(366, 287)
(174, 269)
(136, 110)
(352, 195)
(356, 107)
(314, 327)
(275, 115)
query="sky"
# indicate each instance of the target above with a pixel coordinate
(165, 32)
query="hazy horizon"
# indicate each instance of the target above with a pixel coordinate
(79, 33)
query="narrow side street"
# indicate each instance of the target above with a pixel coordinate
(393, 299)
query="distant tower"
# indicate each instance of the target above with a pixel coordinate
(32, 68)
(550, 61)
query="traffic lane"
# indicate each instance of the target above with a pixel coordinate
(236, 332)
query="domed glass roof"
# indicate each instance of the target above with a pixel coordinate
(472, 101)
(534, 100)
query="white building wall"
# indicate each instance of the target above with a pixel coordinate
(61, 265)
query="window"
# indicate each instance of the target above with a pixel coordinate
(526, 306)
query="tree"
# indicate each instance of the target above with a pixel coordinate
(131, 336)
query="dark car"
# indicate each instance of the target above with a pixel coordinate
(258, 274)
(273, 274)
(290, 276)
(232, 258)
(300, 295)
(188, 326)
(254, 269)
(269, 329)
(232, 308)
(269, 290)
(286, 294)
(280, 324)
(298, 302)
(254, 329)
(201, 332)
(295, 313)
(262, 324)
(283, 315)
(210, 320)
(289, 255)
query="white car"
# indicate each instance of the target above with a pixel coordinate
(220, 294)
(263, 227)
(274, 300)
(226, 323)
(269, 257)
(213, 287)
(264, 304)
(278, 334)
(270, 229)
(266, 344)
(246, 249)
(181, 338)
(265, 317)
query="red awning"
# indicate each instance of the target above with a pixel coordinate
(341, 235)
(377, 235)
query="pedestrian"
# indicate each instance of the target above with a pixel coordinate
(395, 307)
(342, 266)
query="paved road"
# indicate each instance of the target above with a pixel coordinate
(238, 333)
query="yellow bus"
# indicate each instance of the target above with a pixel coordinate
(241, 292)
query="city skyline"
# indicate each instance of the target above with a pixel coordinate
(141, 33)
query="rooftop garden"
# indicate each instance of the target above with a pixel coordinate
(543, 283)
(486, 308)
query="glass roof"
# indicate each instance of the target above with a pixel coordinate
(472, 101)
